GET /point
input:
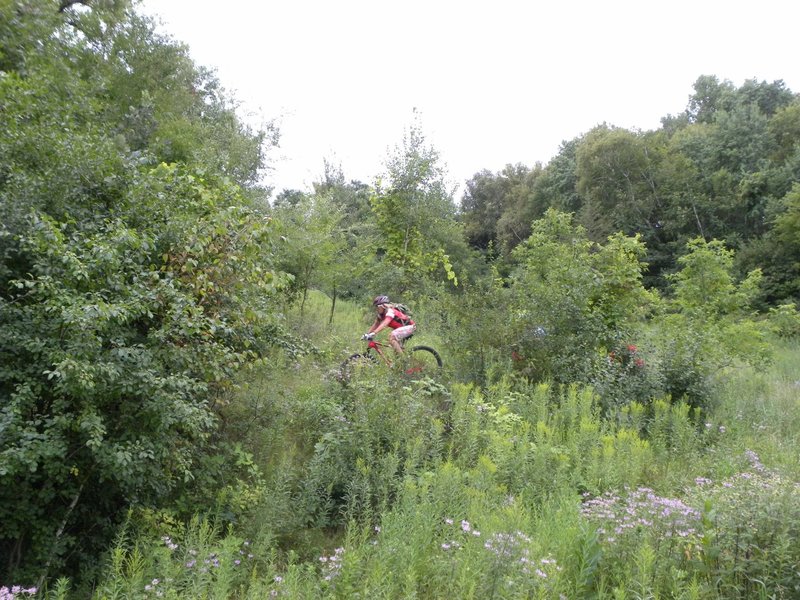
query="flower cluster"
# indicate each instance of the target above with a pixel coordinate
(169, 543)
(275, 592)
(508, 545)
(466, 529)
(15, 591)
(207, 564)
(640, 510)
(626, 356)
(755, 462)
(332, 565)
(710, 427)
(244, 551)
(212, 561)
(154, 588)
(513, 549)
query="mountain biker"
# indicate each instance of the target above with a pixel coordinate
(390, 316)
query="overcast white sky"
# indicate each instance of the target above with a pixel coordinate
(495, 82)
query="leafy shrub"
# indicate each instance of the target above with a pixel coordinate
(707, 327)
(572, 300)
(385, 433)
(625, 376)
(476, 328)
(785, 320)
(131, 290)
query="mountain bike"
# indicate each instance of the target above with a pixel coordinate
(415, 362)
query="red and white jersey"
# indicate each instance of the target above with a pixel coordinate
(398, 319)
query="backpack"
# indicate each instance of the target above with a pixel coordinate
(403, 309)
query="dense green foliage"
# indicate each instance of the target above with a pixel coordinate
(723, 169)
(617, 416)
(132, 289)
(513, 490)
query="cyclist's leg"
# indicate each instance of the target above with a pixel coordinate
(398, 335)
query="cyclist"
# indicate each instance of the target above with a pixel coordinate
(390, 316)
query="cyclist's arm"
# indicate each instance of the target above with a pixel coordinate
(375, 325)
(380, 324)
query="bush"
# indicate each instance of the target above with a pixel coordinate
(785, 320)
(384, 432)
(571, 299)
(624, 376)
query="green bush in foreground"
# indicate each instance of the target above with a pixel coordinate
(453, 534)
(527, 493)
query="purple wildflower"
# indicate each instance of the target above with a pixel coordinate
(640, 510)
(16, 590)
(754, 461)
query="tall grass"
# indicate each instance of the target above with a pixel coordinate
(387, 488)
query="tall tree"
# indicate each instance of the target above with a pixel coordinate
(784, 127)
(497, 209)
(768, 97)
(315, 249)
(356, 234)
(710, 95)
(415, 214)
(482, 205)
(777, 252)
(616, 182)
(521, 208)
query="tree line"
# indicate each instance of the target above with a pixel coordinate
(725, 168)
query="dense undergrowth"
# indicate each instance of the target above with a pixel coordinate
(389, 488)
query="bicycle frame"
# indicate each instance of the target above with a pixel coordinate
(374, 345)
(417, 359)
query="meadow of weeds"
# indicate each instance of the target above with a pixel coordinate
(389, 488)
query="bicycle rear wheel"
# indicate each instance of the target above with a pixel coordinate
(423, 361)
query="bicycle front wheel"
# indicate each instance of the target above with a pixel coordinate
(353, 363)
(423, 361)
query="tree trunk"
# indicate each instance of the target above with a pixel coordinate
(697, 218)
(306, 281)
(59, 533)
(14, 555)
(333, 305)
